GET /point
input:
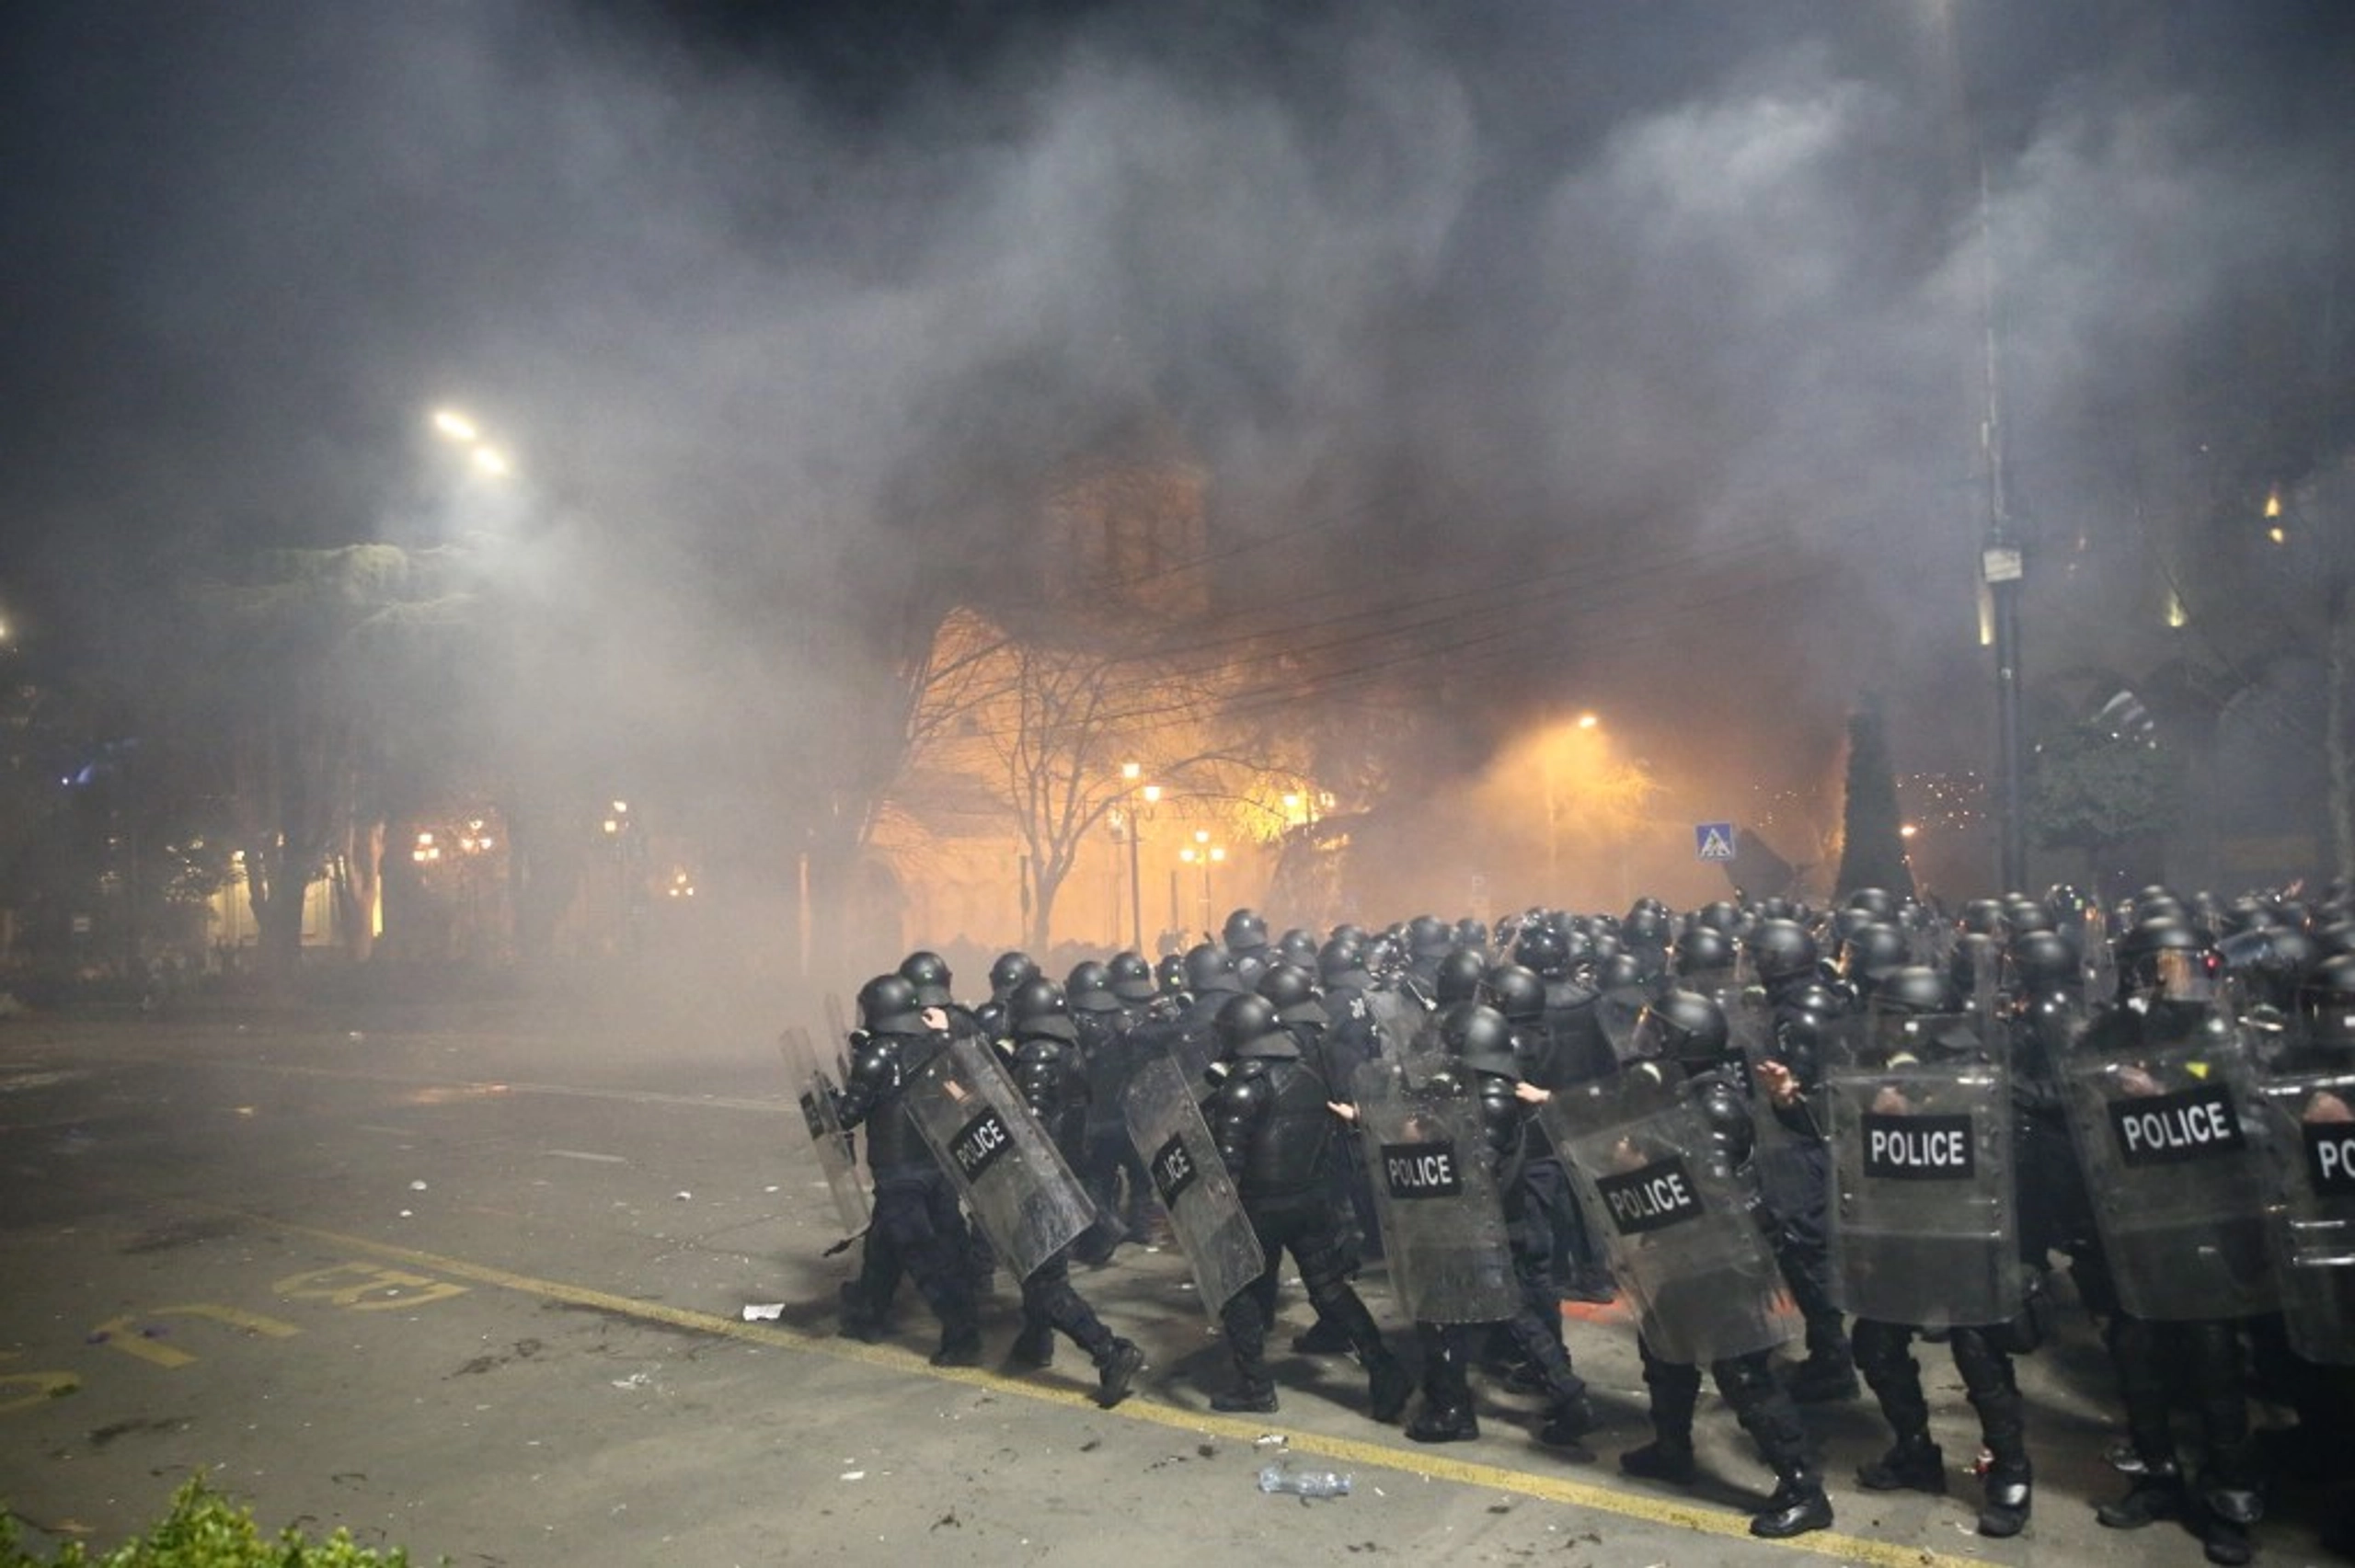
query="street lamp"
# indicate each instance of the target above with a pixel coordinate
(1151, 796)
(1203, 852)
(452, 426)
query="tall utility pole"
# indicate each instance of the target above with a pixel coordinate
(2001, 561)
(2001, 567)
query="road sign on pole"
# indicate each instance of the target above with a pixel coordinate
(1713, 840)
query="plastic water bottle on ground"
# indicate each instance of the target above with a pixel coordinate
(1304, 1484)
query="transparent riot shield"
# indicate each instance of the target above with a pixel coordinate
(2159, 1105)
(837, 1158)
(1443, 1218)
(1013, 1178)
(1167, 1126)
(1679, 1229)
(1616, 1009)
(2309, 1148)
(1924, 1212)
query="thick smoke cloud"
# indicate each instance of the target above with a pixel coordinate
(1671, 309)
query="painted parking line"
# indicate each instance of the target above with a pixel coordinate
(1662, 1511)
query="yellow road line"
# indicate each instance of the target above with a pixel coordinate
(1663, 1511)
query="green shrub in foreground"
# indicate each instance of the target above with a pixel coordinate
(204, 1529)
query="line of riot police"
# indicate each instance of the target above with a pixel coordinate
(1758, 1125)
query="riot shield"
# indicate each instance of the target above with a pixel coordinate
(1684, 1248)
(1174, 1141)
(1443, 1218)
(1013, 1177)
(2098, 959)
(2309, 1149)
(837, 1159)
(2159, 1107)
(1925, 1213)
(1616, 1009)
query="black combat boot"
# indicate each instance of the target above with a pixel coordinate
(1570, 1418)
(2003, 1512)
(1034, 1346)
(1913, 1464)
(2157, 1494)
(859, 1320)
(1257, 1397)
(959, 1349)
(1824, 1377)
(1116, 1370)
(1444, 1424)
(1389, 1385)
(1324, 1337)
(1797, 1506)
(1446, 1415)
(2004, 1506)
(2226, 1517)
(1668, 1458)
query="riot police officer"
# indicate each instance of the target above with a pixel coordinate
(1272, 1119)
(1048, 1075)
(1480, 1066)
(1682, 1054)
(2167, 1044)
(916, 1226)
(1972, 1278)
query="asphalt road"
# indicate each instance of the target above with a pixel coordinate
(477, 1291)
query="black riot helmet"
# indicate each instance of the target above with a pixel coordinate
(1478, 1036)
(1289, 986)
(1247, 1026)
(1915, 989)
(1298, 946)
(1010, 970)
(1209, 968)
(887, 1005)
(2043, 962)
(1620, 972)
(1459, 976)
(2327, 1003)
(2270, 962)
(1089, 986)
(1871, 951)
(1542, 950)
(1781, 950)
(1517, 992)
(1470, 932)
(1983, 917)
(1037, 1006)
(1685, 1028)
(1978, 957)
(1340, 957)
(928, 972)
(1132, 977)
(1703, 949)
(1719, 915)
(1170, 974)
(2165, 959)
(1428, 936)
(1878, 903)
(1245, 932)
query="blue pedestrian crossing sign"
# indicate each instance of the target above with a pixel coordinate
(1713, 840)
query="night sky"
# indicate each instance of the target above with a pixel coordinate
(1647, 335)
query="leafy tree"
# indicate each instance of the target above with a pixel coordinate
(318, 686)
(2095, 788)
